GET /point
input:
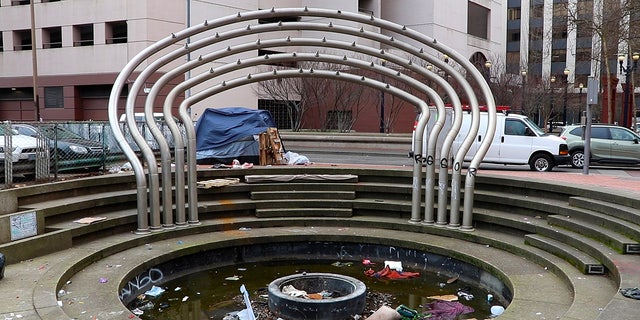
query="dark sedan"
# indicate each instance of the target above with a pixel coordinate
(68, 150)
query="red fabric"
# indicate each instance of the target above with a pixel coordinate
(388, 273)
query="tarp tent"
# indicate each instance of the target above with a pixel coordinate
(225, 134)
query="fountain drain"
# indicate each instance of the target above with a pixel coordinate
(345, 296)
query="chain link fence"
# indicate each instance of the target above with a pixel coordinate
(32, 152)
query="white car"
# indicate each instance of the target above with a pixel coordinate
(19, 149)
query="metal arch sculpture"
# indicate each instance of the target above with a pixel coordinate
(280, 42)
(176, 38)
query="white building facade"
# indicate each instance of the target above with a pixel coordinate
(81, 46)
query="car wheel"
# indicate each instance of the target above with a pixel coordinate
(577, 159)
(541, 162)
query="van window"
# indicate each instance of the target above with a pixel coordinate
(514, 127)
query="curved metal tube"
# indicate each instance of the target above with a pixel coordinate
(443, 181)
(165, 152)
(467, 216)
(429, 193)
(226, 85)
(290, 42)
(240, 64)
(209, 25)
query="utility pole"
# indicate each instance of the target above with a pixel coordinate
(34, 62)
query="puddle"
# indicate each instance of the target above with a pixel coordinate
(212, 294)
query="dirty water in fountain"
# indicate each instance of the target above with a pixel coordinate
(215, 293)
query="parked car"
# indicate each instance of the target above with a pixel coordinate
(23, 152)
(68, 150)
(610, 144)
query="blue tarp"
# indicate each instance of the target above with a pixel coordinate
(227, 133)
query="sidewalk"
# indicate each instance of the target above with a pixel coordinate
(627, 180)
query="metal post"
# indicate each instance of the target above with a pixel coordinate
(628, 70)
(564, 107)
(34, 62)
(625, 103)
(552, 80)
(581, 86)
(524, 84)
(382, 125)
(566, 85)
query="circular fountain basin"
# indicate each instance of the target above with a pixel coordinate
(347, 297)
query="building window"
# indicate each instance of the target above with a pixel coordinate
(290, 64)
(22, 40)
(1, 45)
(560, 10)
(537, 9)
(583, 30)
(536, 33)
(50, 1)
(513, 35)
(53, 97)
(83, 35)
(478, 21)
(116, 32)
(19, 2)
(280, 111)
(558, 55)
(52, 37)
(559, 32)
(583, 54)
(366, 6)
(279, 19)
(513, 13)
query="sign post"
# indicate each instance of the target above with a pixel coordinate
(593, 87)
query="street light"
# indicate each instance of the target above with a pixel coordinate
(487, 70)
(580, 86)
(566, 84)
(627, 71)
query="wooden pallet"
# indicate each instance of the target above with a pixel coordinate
(271, 149)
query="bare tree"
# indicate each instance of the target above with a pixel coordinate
(611, 23)
(393, 106)
(288, 91)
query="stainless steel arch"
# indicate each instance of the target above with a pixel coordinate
(209, 25)
(287, 42)
(241, 64)
(298, 42)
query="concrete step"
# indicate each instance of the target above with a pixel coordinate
(605, 220)
(616, 241)
(612, 209)
(303, 203)
(304, 212)
(378, 205)
(585, 263)
(304, 194)
(518, 203)
(540, 226)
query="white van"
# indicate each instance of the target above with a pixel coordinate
(517, 141)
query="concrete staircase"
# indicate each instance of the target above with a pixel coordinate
(584, 242)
